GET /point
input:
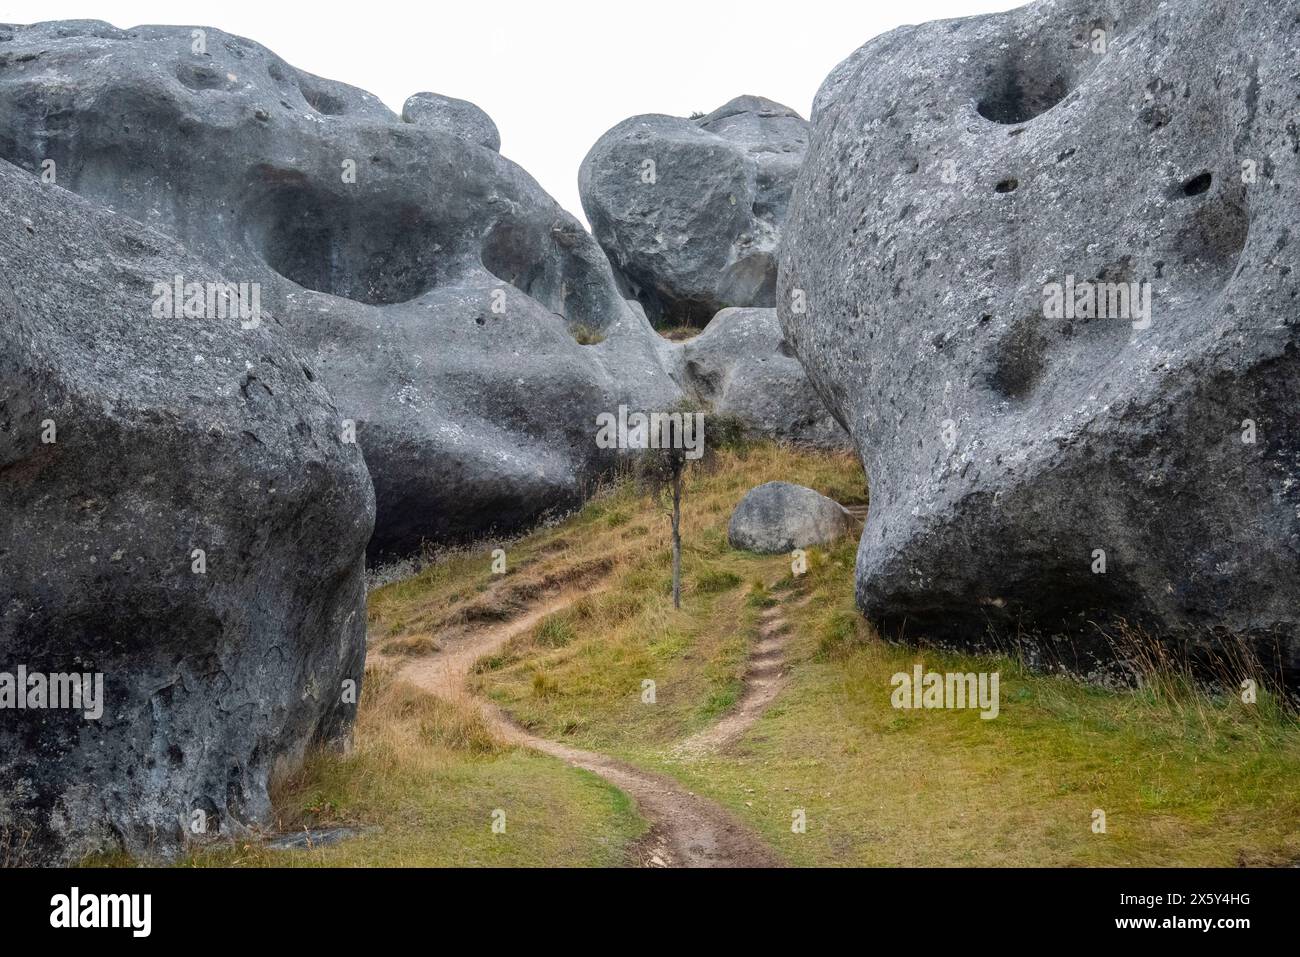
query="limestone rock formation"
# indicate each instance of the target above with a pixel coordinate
(690, 211)
(437, 291)
(780, 517)
(1036, 463)
(742, 367)
(431, 283)
(179, 516)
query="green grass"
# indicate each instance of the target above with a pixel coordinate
(1189, 782)
(423, 783)
(1184, 778)
(589, 688)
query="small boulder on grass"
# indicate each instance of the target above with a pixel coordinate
(780, 517)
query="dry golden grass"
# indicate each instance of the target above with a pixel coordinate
(1185, 776)
(421, 785)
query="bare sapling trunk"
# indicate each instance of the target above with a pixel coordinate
(677, 534)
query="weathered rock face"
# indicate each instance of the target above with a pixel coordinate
(129, 440)
(431, 283)
(963, 174)
(450, 115)
(690, 211)
(433, 286)
(741, 366)
(780, 517)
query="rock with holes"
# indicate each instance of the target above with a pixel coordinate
(450, 115)
(690, 211)
(780, 517)
(434, 287)
(1042, 265)
(742, 367)
(180, 522)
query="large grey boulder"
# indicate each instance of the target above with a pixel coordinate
(437, 291)
(1031, 471)
(741, 366)
(432, 285)
(180, 515)
(780, 517)
(690, 211)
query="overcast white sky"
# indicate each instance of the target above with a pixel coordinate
(553, 74)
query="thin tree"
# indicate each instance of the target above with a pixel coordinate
(665, 467)
(677, 466)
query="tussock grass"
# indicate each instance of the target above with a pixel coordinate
(586, 335)
(680, 333)
(421, 784)
(15, 846)
(1185, 775)
(588, 688)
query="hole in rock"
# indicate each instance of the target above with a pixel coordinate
(1198, 184)
(511, 253)
(378, 253)
(1214, 236)
(201, 77)
(325, 103)
(1020, 94)
(1019, 361)
(1007, 186)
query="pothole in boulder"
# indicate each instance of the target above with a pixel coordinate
(324, 103)
(378, 253)
(1020, 95)
(1196, 185)
(1211, 241)
(510, 252)
(1019, 360)
(200, 76)
(1031, 78)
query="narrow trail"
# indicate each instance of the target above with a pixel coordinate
(765, 676)
(686, 830)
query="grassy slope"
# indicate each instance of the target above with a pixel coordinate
(424, 779)
(1183, 780)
